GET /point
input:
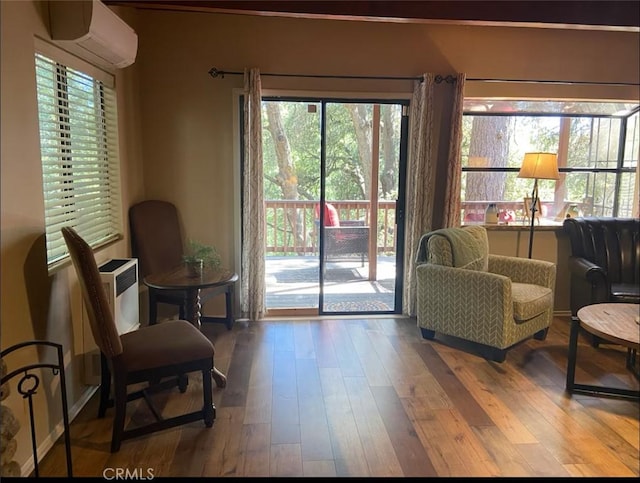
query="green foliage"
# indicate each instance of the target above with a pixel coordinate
(344, 173)
(199, 251)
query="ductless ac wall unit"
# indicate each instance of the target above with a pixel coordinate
(90, 30)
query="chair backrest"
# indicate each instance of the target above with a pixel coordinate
(460, 247)
(103, 326)
(156, 238)
(611, 243)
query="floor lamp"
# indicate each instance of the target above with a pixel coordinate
(537, 166)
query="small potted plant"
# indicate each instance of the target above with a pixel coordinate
(199, 256)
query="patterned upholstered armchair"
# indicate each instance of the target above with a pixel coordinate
(465, 292)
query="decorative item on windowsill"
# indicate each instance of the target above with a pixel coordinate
(538, 166)
(491, 214)
(198, 257)
(506, 216)
(573, 211)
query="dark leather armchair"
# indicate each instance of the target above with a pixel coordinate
(604, 261)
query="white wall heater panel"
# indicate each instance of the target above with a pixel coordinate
(120, 279)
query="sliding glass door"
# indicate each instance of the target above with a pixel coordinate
(333, 200)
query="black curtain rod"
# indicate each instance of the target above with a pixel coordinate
(558, 82)
(214, 72)
(449, 79)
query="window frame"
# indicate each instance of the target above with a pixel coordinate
(619, 170)
(87, 133)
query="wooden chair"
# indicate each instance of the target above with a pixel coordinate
(157, 243)
(152, 353)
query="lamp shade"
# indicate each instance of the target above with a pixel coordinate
(540, 166)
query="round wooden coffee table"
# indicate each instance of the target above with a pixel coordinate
(612, 322)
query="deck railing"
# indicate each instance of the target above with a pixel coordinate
(292, 226)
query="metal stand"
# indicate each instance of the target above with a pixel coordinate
(28, 387)
(534, 203)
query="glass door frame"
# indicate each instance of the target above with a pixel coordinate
(400, 201)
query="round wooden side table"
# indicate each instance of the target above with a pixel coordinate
(612, 322)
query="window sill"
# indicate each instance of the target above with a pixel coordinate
(551, 226)
(65, 262)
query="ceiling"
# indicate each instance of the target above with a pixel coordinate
(592, 14)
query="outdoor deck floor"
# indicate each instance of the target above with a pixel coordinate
(293, 282)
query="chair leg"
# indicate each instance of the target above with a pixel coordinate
(183, 382)
(208, 410)
(427, 334)
(105, 386)
(120, 404)
(153, 307)
(498, 355)
(541, 334)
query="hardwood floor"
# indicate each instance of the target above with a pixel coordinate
(369, 397)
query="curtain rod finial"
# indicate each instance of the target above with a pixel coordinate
(214, 72)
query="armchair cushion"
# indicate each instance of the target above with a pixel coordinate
(529, 300)
(178, 342)
(625, 293)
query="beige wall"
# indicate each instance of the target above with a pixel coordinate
(35, 305)
(178, 131)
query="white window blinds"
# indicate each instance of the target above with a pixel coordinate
(79, 149)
